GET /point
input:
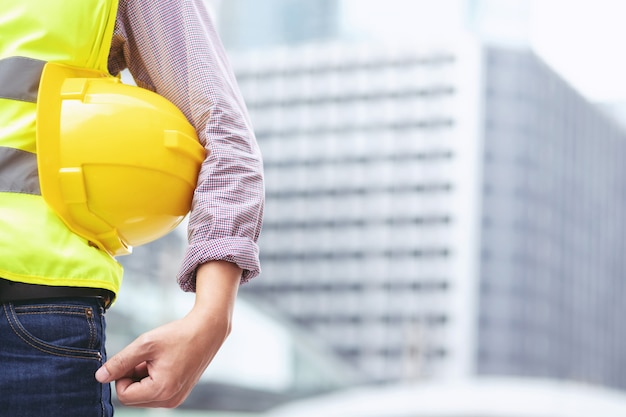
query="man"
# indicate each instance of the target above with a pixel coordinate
(54, 283)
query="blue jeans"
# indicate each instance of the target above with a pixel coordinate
(49, 352)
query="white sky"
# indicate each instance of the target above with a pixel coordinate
(583, 40)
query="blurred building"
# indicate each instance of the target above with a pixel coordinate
(440, 212)
(246, 24)
(616, 111)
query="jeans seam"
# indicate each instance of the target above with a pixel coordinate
(100, 324)
(68, 307)
(42, 346)
(68, 313)
(92, 328)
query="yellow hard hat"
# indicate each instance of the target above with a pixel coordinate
(117, 163)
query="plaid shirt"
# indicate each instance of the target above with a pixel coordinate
(171, 47)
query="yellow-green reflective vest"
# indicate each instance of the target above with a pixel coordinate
(35, 245)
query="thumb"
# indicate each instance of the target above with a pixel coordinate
(103, 376)
(122, 364)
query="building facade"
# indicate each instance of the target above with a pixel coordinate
(552, 232)
(440, 211)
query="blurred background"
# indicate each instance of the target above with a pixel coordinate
(444, 231)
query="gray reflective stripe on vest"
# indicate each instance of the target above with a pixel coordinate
(18, 171)
(19, 78)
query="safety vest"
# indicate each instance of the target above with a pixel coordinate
(36, 247)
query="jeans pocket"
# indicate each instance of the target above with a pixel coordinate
(58, 328)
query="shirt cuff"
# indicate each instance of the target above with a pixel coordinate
(241, 251)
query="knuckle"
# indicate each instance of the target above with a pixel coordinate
(146, 343)
(145, 340)
(117, 363)
(229, 330)
(172, 403)
(123, 399)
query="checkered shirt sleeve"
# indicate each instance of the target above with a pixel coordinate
(171, 47)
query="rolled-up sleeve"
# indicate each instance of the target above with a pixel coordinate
(171, 47)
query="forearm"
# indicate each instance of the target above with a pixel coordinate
(160, 367)
(217, 283)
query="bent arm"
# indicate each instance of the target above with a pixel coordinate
(172, 47)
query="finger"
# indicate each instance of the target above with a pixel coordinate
(123, 364)
(122, 385)
(131, 393)
(140, 372)
(145, 393)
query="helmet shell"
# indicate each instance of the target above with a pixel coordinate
(117, 163)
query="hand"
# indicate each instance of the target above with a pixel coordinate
(161, 367)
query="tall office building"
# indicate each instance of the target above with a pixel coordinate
(441, 212)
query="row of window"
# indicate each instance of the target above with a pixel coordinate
(339, 67)
(310, 256)
(316, 224)
(431, 123)
(431, 319)
(434, 155)
(435, 187)
(336, 286)
(377, 96)
(394, 352)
